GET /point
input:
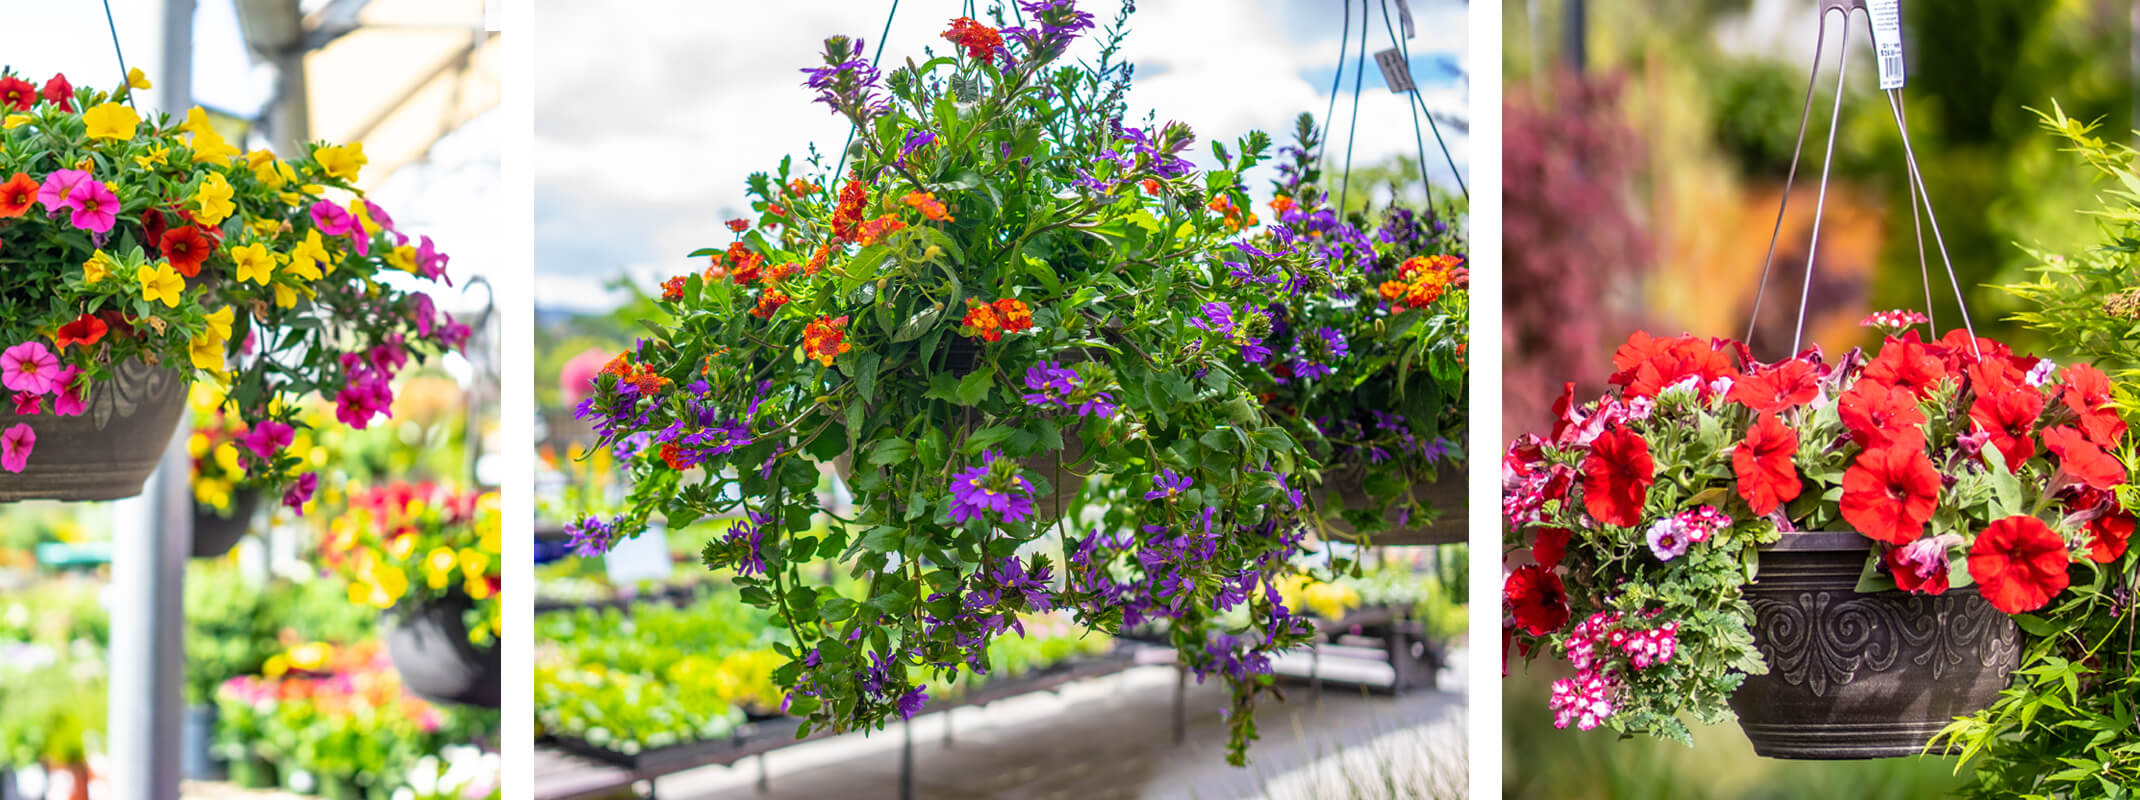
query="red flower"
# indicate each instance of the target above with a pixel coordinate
(672, 290)
(1955, 350)
(1552, 545)
(85, 330)
(739, 224)
(2019, 564)
(17, 94)
(1537, 599)
(2081, 459)
(1880, 416)
(1921, 566)
(674, 456)
(980, 41)
(1994, 376)
(1767, 476)
(2087, 392)
(17, 195)
(186, 249)
(60, 92)
(2009, 416)
(1905, 363)
(2108, 536)
(1647, 364)
(1787, 385)
(1563, 408)
(1889, 494)
(1617, 476)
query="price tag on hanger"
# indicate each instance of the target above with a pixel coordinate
(1395, 71)
(1404, 17)
(1887, 40)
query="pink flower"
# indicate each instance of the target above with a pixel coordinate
(1921, 566)
(71, 400)
(367, 395)
(96, 208)
(431, 262)
(268, 438)
(300, 492)
(29, 404)
(29, 367)
(378, 215)
(15, 447)
(58, 190)
(331, 219)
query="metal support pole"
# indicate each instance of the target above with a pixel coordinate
(1181, 705)
(765, 780)
(152, 537)
(174, 61)
(906, 761)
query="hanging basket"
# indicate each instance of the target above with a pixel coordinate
(430, 648)
(1854, 675)
(1344, 489)
(108, 451)
(1056, 467)
(215, 534)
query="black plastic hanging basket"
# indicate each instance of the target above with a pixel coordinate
(108, 451)
(430, 647)
(215, 534)
(1854, 675)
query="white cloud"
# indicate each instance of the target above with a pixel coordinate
(649, 115)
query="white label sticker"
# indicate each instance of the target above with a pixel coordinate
(1887, 40)
(1395, 71)
(1404, 16)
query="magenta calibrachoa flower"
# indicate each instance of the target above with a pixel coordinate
(993, 487)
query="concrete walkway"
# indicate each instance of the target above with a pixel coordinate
(1113, 739)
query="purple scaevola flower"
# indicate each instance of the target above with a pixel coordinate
(1169, 485)
(591, 536)
(990, 488)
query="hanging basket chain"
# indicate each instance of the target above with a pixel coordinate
(1336, 78)
(1418, 106)
(1359, 65)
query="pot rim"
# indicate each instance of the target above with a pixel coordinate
(1820, 542)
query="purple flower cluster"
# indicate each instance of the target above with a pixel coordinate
(1219, 318)
(847, 83)
(591, 536)
(1314, 353)
(748, 536)
(1050, 385)
(1056, 23)
(993, 487)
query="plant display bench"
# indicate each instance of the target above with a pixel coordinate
(1379, 635)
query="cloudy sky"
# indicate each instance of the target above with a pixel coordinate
(649, 114)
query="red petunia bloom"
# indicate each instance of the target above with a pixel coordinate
(2109, 535)
(85, 330)
(17, 94)
(1762, 462)
(1905, 363)
(60, 92)
(1551, 546)
(980, 41)
(1955, 351)
(1994, 376)
(17, 195)
(186, 248)
(2009, 416)
(2087, 392)
(1881, 416)
(2081, 459)
(2019, 564)
(1563, 410)
(1646, 364)
(1617, 476)
(1790, 384)
(1537, 599)
(1889, 494)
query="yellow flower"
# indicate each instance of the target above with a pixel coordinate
(278, 665)
(212, 492)
(254, 263)
(214, 199)
(137, 79)
(438, 567)
(196, 122)
(16, 121)
(474, 562)
(111, 121)
(477, 588)
(207, 352)
(156, 158)
(99, 265)
(403, 258)
(311, 656)
(311, 255)
(197, 445)
(226, 456)
(208, 145)
(161, 282)
(219, 322)
(285, 297)
(269, 170)
(342, 161)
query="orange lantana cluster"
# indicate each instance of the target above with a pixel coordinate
(638, 375)
(1422, 280)
(847, 217)
(1235, 220)
(931, 208)
(990, 321)
(875, 230)
(825, 339)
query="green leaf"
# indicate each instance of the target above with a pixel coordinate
(890, 451)
(974, 387)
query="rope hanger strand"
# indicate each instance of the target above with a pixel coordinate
(125, 75)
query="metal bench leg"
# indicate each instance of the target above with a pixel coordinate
(1181, 705)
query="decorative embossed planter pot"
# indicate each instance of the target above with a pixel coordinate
(108, 451)
(214, 534)
(1445, 494)
(1862, 675)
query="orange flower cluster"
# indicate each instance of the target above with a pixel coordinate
(1235, 220)
(1149, 185)
(672, 290)
(739, 224)
(991, 321)
(801, 188)
(848, 215)
(1281, 204)
(928, 205)
(875, 230)
(980, 41)
(1422, 280)
(639, 375)
(769, 302)
(825, 339)
(673, 456)
(818, 259)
